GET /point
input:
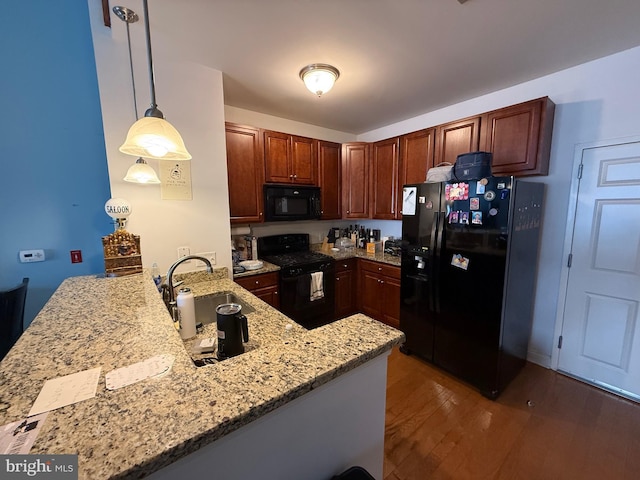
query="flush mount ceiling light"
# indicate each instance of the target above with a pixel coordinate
(152, 136)
(139, 172)
(319, 77)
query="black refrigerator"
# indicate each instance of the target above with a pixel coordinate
(468, 274)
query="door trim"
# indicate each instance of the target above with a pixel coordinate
(568, 239)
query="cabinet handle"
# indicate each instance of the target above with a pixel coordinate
(381, 281)
(295, 176)
(337, 279)
(379, 269)
(290, 176)
(345, 265)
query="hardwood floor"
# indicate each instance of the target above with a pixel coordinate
(543, 426)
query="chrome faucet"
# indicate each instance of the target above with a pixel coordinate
(168, 293)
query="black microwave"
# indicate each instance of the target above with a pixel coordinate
(289, 202)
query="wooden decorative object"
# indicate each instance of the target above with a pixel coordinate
(122, 253)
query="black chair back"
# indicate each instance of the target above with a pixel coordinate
(11, 316)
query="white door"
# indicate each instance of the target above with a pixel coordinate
(600, 334)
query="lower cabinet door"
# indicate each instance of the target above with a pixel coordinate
(345, 304)
(268, 295)
(371, 299)
(391, 302)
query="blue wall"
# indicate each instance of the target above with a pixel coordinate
(53, 178)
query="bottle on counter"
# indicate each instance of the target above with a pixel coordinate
(186, 313)
(155, 273)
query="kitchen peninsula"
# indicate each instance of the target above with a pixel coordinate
(301, 404)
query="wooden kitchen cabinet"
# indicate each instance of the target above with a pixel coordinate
(329, 179)
(244, 173)
(519, 137)
(379, 287)
(355, 180)
(454, 138)
(265, 286)
(289, 159)
(345, 299)
(417, 152)
(384, 179)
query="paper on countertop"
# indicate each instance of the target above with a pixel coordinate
(63, 391)
(16, 438)
(151, 367)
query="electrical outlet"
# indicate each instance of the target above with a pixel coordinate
(209, 255)
(183, 252)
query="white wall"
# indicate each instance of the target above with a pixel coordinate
(191, 98)
(595, 101)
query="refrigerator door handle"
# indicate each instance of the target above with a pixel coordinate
(437, 256)
(434, 304)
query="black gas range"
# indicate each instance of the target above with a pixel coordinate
(307, 278)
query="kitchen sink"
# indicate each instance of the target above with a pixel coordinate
(206, 305)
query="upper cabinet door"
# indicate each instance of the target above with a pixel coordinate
(519, 137)
(303, 160)
(277, 155)
(454, 138)
(245, 173)
(355, 180)
(417, 151)
(384, 179)
(289, 159)
(329, 168)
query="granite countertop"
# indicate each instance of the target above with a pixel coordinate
(338, 255)
(359, 253)
(266, 268)
(93, 321)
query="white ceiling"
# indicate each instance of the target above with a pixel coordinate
(397, 58)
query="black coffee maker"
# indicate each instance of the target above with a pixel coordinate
(232, 330)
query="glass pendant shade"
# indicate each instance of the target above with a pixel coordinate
(319, 78)
(154, 137)
(141, 172)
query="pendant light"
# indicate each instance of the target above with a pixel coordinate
(319, 77)
(152, 136)
(139, 172)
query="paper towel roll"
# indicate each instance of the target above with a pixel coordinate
(187, 313)
(254, 248)
(241, 231)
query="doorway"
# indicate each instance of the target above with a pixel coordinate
(598, 323)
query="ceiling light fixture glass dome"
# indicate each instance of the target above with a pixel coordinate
(319, 78)
(151, 136)
(141, 172)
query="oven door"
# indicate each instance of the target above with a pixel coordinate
(296, 303)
